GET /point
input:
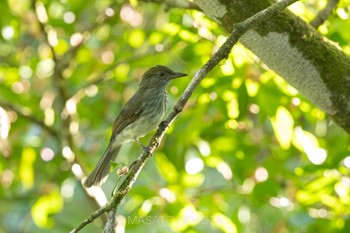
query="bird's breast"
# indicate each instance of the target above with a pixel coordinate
(153, 111)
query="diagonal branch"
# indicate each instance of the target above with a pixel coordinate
(238, 30)
(324, 13)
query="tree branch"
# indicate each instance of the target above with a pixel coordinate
(324, 13)
(64, 136)
(238, 30)
(112, 204)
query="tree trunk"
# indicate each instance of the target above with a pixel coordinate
(294, 50)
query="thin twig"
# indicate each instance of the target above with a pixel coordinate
(90, 219)
(222, 53)
(324, 13)
(115, 200)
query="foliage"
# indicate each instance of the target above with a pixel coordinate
(248, 154)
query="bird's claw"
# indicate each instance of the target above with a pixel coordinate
(164, 124)
(156, 144)
(147, 149)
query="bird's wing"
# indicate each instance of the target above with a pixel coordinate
(130, 113)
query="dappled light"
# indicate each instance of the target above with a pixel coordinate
(76, 39)
(67, 189)
(347, 162)
(69, 17)
(309, 143)
(261, 174)
(225, 170)
(45, 206)
(281, 202)
(47, 154)
(68, 153)
(130, 15)
(244, 215)
(247, 153)
(167, 195)
(194, 166)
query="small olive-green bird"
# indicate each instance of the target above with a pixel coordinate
(140, 115)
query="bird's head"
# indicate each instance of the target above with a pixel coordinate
(159, 76)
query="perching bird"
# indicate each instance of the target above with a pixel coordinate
(140, 115)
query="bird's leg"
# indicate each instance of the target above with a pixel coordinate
(145, 148)
(139, 143)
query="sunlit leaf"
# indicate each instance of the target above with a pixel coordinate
(224, 223)
(44, 207)
(283, 124)
(26, 169)
(136, 38)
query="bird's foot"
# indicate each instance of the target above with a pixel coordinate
(164, 124)
(155, 143)
(146, 149)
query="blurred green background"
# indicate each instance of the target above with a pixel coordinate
(247, 154)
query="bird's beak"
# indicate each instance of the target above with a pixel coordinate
(177, 75)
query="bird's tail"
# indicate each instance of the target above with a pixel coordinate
(100, 173)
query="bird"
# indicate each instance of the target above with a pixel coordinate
(142, 113)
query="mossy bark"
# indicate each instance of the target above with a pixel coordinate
(295, 51)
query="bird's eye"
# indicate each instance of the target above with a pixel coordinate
(161, 73)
